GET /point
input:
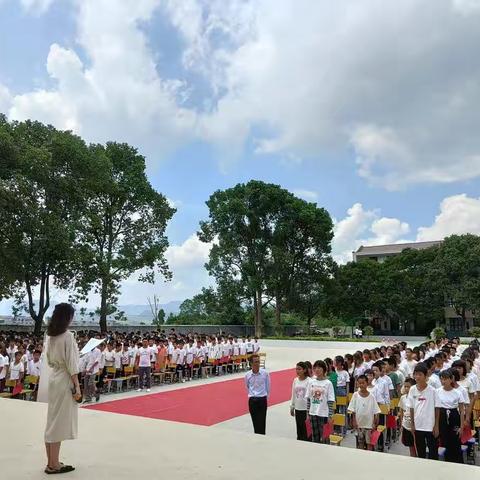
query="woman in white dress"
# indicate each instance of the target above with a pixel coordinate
(63, 387)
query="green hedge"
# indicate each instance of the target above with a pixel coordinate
(325, 339)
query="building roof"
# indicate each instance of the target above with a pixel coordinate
(394, 248)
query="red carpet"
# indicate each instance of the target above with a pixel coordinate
(203, 404)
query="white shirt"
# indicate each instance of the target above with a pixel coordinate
(16, 370)
(4, 364)
(406, 420)
(320, 392)
(34, 368)
(423, 405)
(109, 358)
(256, 347)
(467, 384)
(464, 393)
(258, 384)
(475, 382)
(434, 381)
(299, 389)
(117, 359)
(365, 408)
(153, 353)
(191, 351)
(144, 357)
(376, 391)
(93, 361)
(382, 385)
(342, 378)
(450, 399)
(407, 367)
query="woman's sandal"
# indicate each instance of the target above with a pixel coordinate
(62, 469)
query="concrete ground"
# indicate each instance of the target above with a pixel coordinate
(123, 446)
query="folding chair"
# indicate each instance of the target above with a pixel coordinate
(131, 377)
(339, 420)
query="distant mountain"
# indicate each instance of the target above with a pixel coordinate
(141, 311)
(144, 310)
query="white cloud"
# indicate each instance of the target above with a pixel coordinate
(5, 99)
(36, 6)
(322, 75)
(120, 94)
(459, 214)
(467, 7)
(365, 227)
(307, 195)
(190, 254)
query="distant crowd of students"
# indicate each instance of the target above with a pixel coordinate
(21, 357)
(431, 392)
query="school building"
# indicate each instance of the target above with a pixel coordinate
(452, 323)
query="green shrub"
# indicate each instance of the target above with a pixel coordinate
(368, 331)
(438, 333)
(475, 332)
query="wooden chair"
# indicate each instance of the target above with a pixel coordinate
(109, 377)
(339, 420)
(207, 369)
(171, 373)
(263, 359)
(132, 377)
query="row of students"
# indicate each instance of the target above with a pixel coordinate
(436, 403)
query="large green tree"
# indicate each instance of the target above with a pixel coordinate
(44, 177)
(457, 270)
(123, 226)
(263, 237)
(412, 291)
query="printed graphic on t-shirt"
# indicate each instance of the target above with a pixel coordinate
(317, 394)
(300, 392)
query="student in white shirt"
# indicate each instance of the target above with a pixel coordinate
(321, 397)
(450, 417)
(298, 404)
(34, 365)
(406, 419)
(117, 359)
(109, 356)
(144, 366)
(466, 383)
(17, 369)
(3, 370)
(256, 345)
(93, 359)
(365, 411)
(408, 364)
(421, 402)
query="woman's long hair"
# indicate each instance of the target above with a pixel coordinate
(61, 317)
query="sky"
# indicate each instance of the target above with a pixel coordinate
(368, 108)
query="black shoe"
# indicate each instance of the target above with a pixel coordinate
(97, 397)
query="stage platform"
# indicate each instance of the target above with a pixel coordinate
(128, 447)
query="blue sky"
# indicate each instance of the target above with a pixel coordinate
(370, 110)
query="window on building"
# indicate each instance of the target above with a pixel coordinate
(456, 324)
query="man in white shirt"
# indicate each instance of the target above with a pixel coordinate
(257, 382)
(144, 366)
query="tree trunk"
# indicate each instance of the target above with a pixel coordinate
(258, 314)
(278, 312)
(103, 307)
(44, 301)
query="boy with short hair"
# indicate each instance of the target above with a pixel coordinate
(421, 402)
(365, 411)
